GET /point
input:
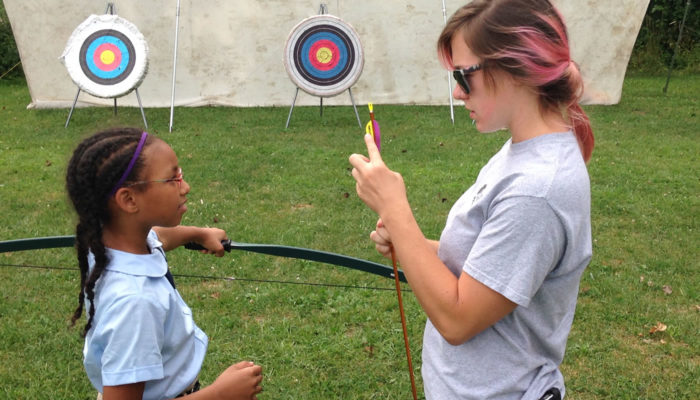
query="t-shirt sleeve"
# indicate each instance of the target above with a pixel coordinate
(132, 337)
(519, 244)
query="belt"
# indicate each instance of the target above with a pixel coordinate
(191, 389)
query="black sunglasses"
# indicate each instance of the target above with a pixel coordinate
(462, 76)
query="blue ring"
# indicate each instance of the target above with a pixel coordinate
(91, 53)
(306, 47)
(122, 72)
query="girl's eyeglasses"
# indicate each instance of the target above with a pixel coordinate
(178, 178)
(462, 76)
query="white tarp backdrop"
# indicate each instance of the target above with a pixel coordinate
(230, 52)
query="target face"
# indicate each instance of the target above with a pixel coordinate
(323, 55)
(106, 56)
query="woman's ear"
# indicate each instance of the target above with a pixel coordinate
(125, 200)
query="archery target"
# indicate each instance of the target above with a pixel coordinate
(106, 56)
(323, 55)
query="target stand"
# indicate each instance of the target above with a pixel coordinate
(107, 57)
(323, 56)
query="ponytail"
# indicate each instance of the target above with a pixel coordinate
(579, 121)
(581, 126)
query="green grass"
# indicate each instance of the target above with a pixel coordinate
(265, 184)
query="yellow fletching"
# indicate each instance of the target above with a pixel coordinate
(369, 128)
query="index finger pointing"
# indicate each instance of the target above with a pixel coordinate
(372, 150)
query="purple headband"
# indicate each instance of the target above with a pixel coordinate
(119, 184)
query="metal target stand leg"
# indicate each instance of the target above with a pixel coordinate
(72, 108)
(138, 97)
(143, 115)
(294, 100)
(449, 77)
(292, 108)
(355, 108)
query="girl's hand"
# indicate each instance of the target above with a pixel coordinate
(240, 381)
(382, 189)
(211, 239)
(176, 236)
(381, 239)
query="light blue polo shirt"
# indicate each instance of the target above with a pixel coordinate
(142, 329)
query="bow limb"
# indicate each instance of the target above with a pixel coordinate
(49, 242)
(269, 249)
(311, 255)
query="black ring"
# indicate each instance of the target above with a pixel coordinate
(83, 56)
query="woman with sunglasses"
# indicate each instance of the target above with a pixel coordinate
(140, 339)
(499, 288)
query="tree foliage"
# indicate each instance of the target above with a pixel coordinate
(659, 35)
(9, 56)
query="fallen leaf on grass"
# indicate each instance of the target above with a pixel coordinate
(667, 289)
(659, 327)
(652, 341)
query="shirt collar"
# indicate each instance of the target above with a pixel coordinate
(152, 265)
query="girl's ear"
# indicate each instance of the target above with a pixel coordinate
(125, 201)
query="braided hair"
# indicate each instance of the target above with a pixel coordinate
(95, 168)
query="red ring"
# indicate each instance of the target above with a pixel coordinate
(335, 55)
(107, 47)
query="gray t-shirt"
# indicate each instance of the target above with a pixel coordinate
(523, 229)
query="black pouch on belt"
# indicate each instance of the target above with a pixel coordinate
(551, 394)
(193, 388)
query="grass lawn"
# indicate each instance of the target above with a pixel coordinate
(264, 184)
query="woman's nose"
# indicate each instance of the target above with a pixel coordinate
(458, 93)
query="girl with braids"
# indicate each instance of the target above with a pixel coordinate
(140, 339)
(499, 288)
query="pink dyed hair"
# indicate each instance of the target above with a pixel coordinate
(526, 39)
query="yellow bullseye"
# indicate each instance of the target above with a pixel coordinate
(107, 57)
(324, 55)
